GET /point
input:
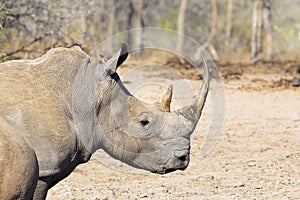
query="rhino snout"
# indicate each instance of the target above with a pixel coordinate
(182, 159)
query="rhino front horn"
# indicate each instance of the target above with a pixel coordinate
(193, 112)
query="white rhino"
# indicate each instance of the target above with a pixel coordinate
(65, 105)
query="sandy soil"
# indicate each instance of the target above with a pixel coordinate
(257, 155)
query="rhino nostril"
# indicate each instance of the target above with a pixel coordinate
(182, 158)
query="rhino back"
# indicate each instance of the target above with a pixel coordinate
(31, 95)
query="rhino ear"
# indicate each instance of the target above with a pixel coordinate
(114, 62)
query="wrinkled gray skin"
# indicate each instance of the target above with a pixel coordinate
(66, 105)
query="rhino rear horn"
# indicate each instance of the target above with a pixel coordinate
(167, 98)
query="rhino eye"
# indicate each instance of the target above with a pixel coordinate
(144, 122)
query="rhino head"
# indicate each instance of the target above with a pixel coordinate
(146, 136)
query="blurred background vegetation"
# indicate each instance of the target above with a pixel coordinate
(231, 30)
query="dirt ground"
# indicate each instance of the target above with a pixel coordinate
(257, 155)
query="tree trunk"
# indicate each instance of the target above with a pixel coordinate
(129, 25)
(253, 35)
(214, 20)
(180, 25)
(228, 22)
(257, 27)
(137, 23)
(83, 27)
(268, 28)
(112, 22)
(213, 30)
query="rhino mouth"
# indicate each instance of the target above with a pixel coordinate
(169, 170)
(165, 171)
(180, 163)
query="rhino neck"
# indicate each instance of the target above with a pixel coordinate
(66, 74)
